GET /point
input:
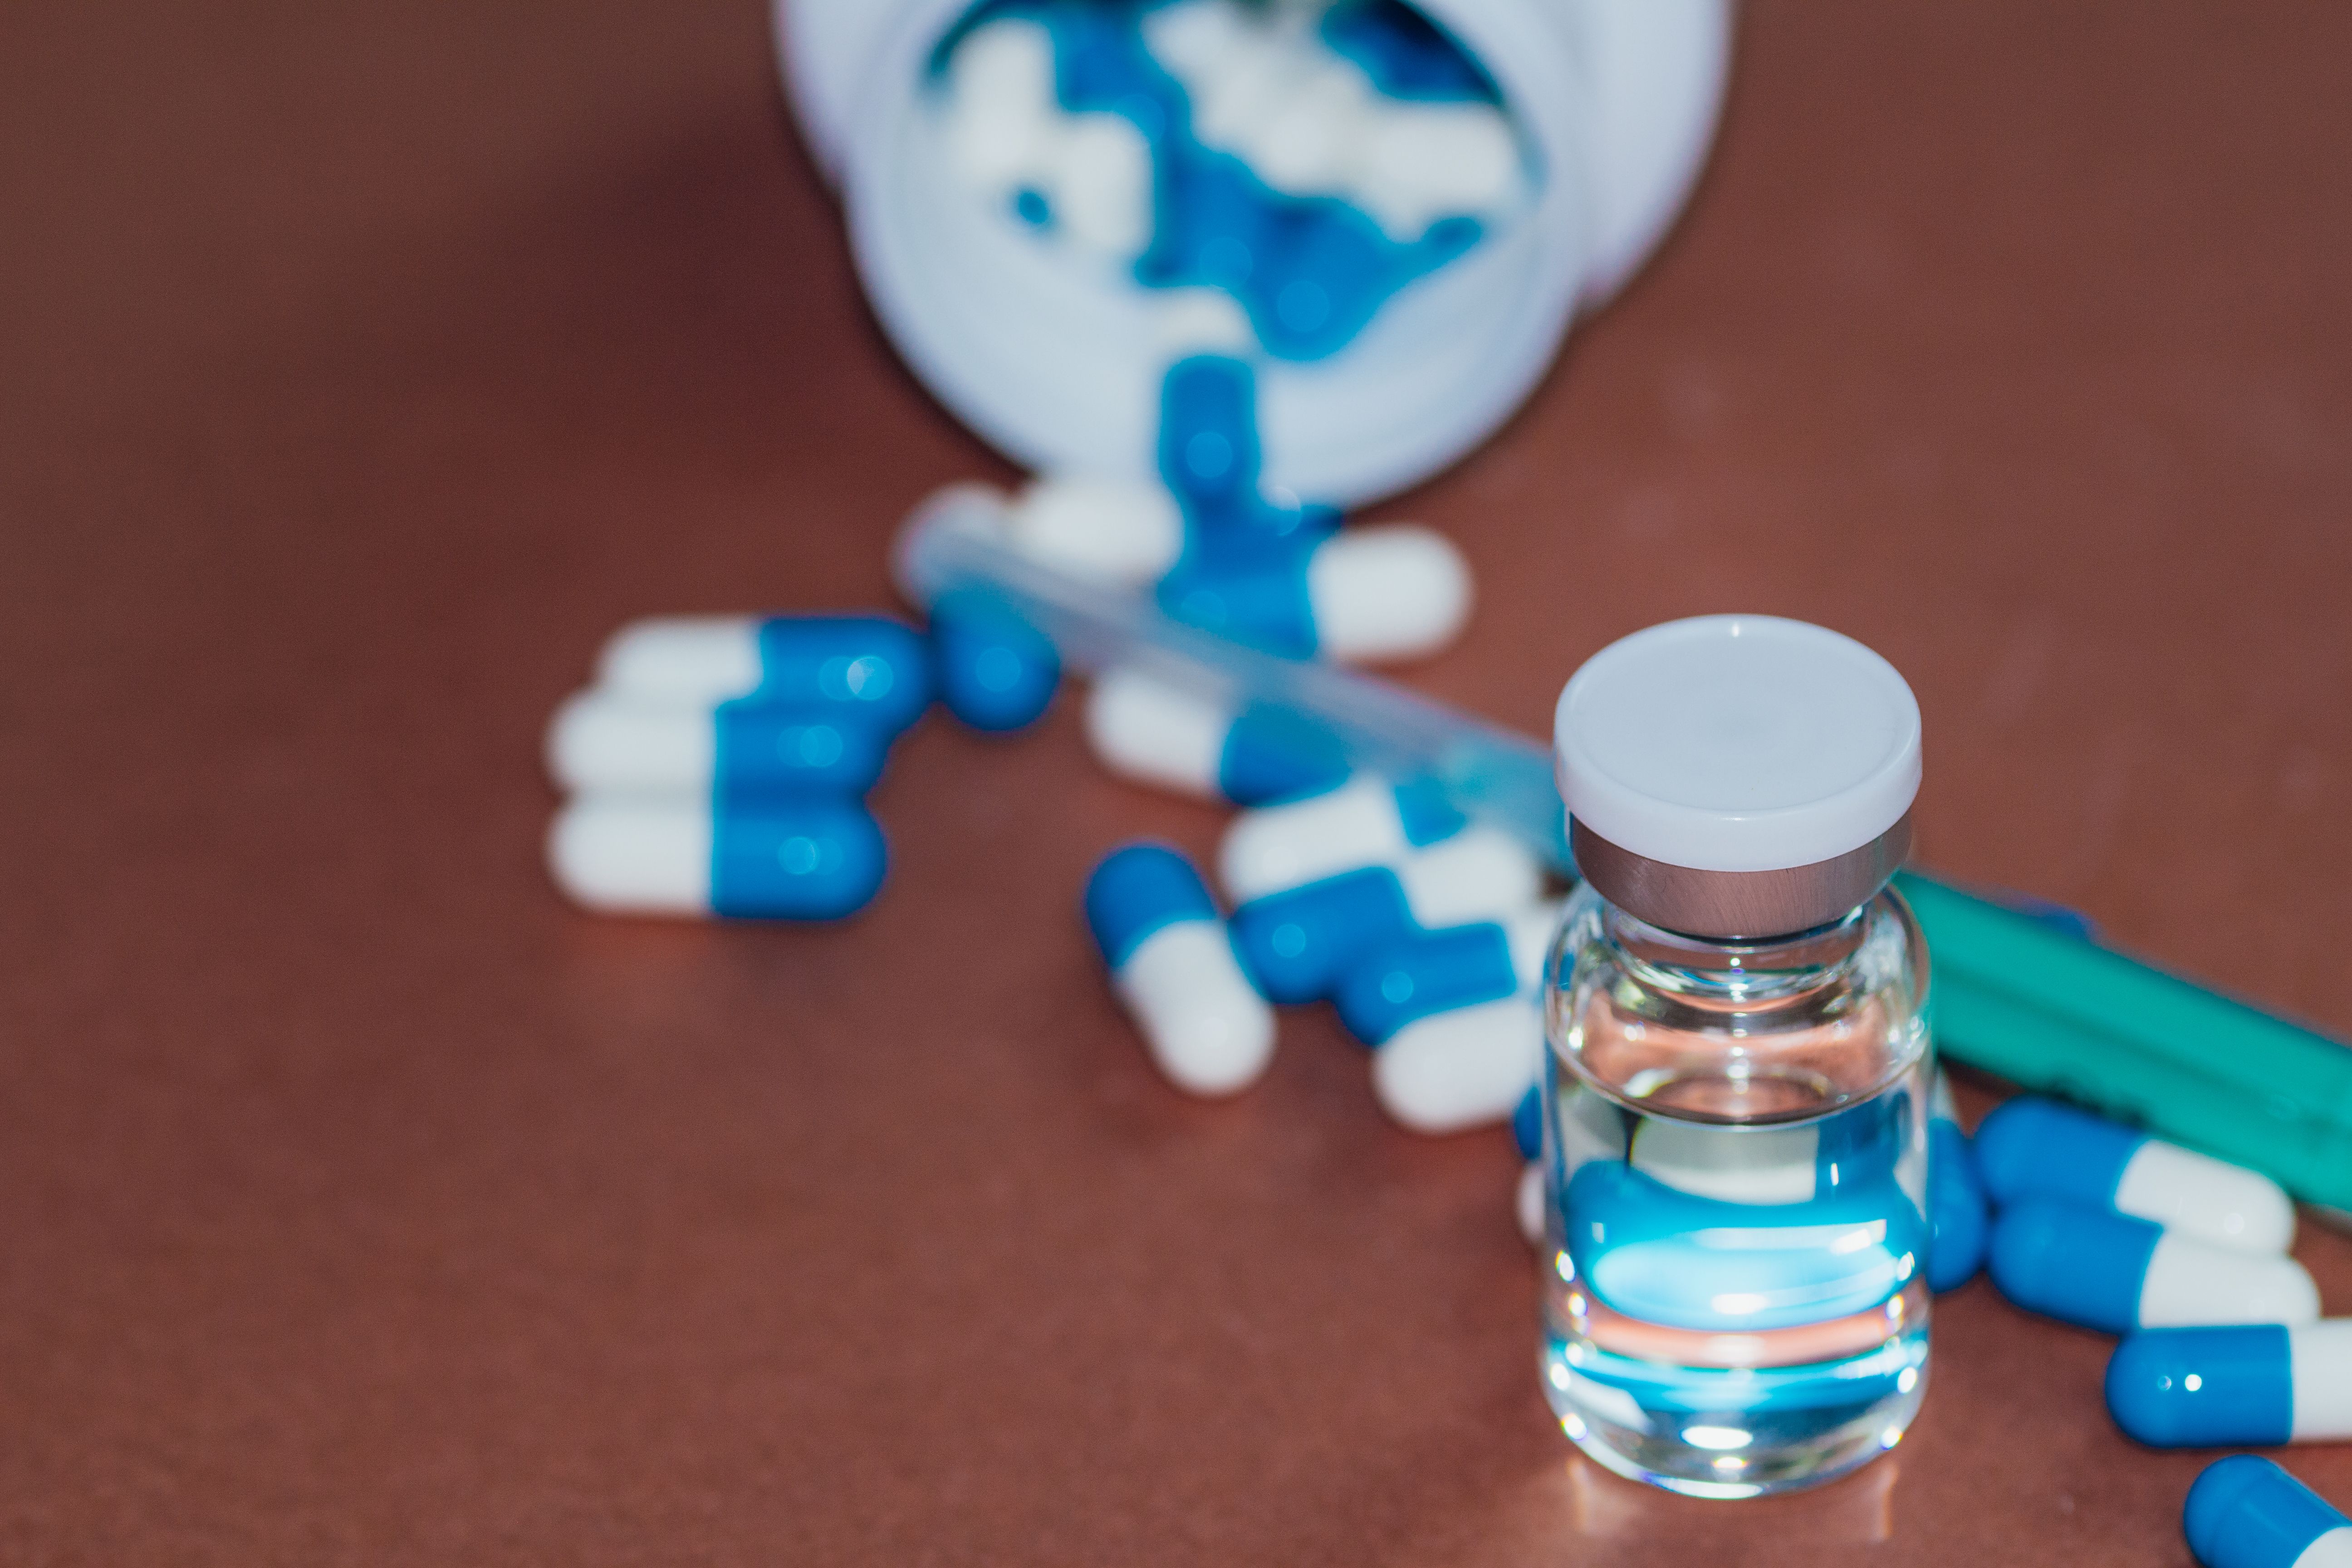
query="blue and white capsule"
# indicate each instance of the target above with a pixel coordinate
(1363, 822)
(1373, 594)
(2036, 1147)
(870, 667)
(1959, 1219)
(2246, 1512)
(1173, 966)
(1450, 1015)
(613, 744)
(803, 860)
(2110, 1271)
(1146, 730)
(2258, 1385)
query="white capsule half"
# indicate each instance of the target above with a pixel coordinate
(1392, 592)
(632, 858)
(605, 743)
(686, 660)
(1197, 36)
(1100, 185)
(1277, 847)
(2333, 1549)
(1154, 733)
(1189, 321)
(1941, 1106)
(1421, 162)
(1002, 107)
(1475, 877)
(1207, 1026)
(2322, 1380)
(2207, 1198)
(1460, 1069)
(1242, 93)
(1528, 1203)
(1116, 531)
(2191, 1282)
(1529, 933)
(1309, 144)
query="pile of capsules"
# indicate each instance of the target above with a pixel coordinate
(1277, 171)
(1425, 933)
(2185, 1257)
(2182, 1254)
(1306, 158)
(719, 765)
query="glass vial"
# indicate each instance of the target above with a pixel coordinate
(1736, 1090)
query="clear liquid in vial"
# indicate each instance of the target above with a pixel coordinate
(1734, 1294)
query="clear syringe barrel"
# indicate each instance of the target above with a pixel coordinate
(955, 543)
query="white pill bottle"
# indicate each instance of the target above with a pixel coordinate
(1060, 368)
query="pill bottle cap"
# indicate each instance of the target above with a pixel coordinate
(1738, 775)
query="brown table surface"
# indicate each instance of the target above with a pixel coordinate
(360, 1202)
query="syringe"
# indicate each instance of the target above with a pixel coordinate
(955, 543)
(2011, 994)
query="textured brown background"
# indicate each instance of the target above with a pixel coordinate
(362, 366)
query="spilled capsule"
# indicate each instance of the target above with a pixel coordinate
(2246, 1512)
(1363, 822)
(803, 860)
(1462, 1069)
(605, 742)
(873, 668)
(2261, 1383)
(2110, 1271)
(1374, 592)
(2032, 1146)
(1174, 968)
(1155, 733)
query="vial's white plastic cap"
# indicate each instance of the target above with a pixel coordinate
(1738, 743)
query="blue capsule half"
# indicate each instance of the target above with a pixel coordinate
(818, 859)
(1137, 890)
(1422, 974)
(770, 748)
(2032, 1146)
(872, 667)
(2246, 1512)
(1527, 1123)
(996, 672)
(2206, 1387)
(2080, 1265)
(1300, 942)
(1273, 753)
(1957, 1212)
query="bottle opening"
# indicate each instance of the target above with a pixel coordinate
(1068, 195)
